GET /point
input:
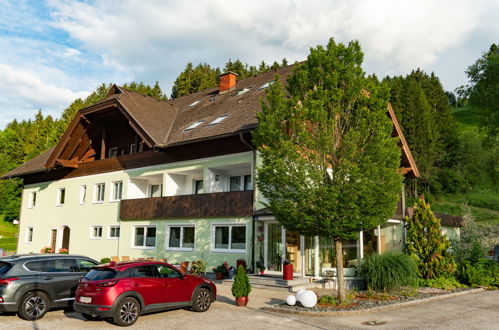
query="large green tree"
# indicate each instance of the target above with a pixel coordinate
(329, 161)
(483, 90)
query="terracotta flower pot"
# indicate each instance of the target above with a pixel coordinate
(242, 301)
(287, 272)
(219, 276)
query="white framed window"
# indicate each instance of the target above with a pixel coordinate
(198, 187)
(113, 152)
(229, 238)
(95, 232)
(99, 192)
(144, 237)
(133, 148)
(29, 235)
(32, 199)
(156, 190)
(83, 194)
(117, 191)
(248, 183)
(180, 237)
(61, 196)
(113, 232)
(235, 183)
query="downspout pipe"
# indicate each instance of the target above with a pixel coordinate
(254, 201)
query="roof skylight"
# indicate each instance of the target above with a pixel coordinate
(194, 103)
(218, 120)
(193, 126)
(242, 91)
(266, 85)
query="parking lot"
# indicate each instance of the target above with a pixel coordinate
(472, 311)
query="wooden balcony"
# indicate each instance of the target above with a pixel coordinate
(225, 204)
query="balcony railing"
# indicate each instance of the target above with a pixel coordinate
(225, 204)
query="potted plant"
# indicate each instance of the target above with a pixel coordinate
(287, 270)
(241, 262)
(221, 270)
(241, 287)
(63, 251)
(47, 250)
(261, 267)
(198, 267)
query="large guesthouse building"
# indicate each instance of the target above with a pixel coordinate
(138, 177)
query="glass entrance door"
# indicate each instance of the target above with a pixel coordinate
(274, 247)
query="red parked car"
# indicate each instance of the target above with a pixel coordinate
(124, 291)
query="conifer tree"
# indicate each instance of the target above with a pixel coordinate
(427, 244)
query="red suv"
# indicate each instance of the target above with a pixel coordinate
(123, 291)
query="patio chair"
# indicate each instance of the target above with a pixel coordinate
(327, 277)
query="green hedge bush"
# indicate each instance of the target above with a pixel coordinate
(389, 271)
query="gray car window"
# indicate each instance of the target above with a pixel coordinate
(60, 265)
(4, 267)
(84, 265)
(35, 266)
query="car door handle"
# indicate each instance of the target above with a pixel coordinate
(136, 284)
(48, 278)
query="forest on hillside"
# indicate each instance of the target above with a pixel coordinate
(453, 136)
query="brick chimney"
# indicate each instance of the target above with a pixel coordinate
(227, 82)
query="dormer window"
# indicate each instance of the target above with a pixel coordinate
(113, 152)
(266, 85)
(218, 120)
(193, 126)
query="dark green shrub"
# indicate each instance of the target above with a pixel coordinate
(241, 286)
(389, 271)
(484, 272)
(105, 260)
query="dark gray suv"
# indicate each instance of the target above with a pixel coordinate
(32, 284)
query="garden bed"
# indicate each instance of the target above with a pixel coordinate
(368, 300)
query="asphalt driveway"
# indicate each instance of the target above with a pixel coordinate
(471, 311)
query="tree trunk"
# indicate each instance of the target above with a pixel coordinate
(339, 269)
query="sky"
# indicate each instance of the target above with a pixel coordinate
(54, 51)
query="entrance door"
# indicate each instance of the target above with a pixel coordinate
(65, 238)
(274, 247)
(293, 252)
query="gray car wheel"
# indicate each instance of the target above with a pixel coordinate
(33, 306)
(127, 312)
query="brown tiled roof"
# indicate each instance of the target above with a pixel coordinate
(33, 165)
(164, 122)
(449, 220)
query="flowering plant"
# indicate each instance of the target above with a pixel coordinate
(47, 249)
(223, 268)
(63, 251)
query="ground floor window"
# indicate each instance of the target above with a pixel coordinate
(114, 232)
(29, 234)
(229, 238)
(144, 236)
(180, 237)
(96, 232)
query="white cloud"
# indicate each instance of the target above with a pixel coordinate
(23, 93)
(158, 37)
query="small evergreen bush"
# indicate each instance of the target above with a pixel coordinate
(442, 282)
(241, 286)
(389, 271)
(105, 260)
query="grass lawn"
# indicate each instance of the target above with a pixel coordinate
(8, 233)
